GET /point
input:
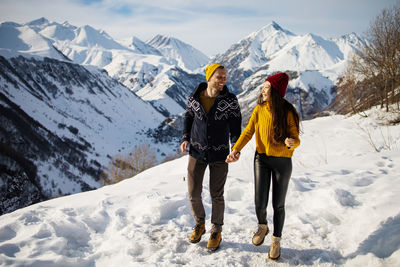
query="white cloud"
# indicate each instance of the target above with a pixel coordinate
(211, 26)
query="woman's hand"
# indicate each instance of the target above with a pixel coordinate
(289, 142)
(233, 156)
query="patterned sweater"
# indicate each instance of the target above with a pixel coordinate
(260, 123)
(209, 133)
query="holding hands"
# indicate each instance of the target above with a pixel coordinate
(233, 156)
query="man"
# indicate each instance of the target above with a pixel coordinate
(212, 117)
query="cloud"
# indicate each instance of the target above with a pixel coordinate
(211, 26)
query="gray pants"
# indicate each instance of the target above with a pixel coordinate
(218, 173)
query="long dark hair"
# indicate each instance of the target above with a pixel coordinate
(280, 108)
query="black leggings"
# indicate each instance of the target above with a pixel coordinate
(280, 169)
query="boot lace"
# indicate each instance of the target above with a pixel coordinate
(214, 235)
(258, 231)
(275, 243)
(197, 229)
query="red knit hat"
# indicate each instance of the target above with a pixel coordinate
(279, 82)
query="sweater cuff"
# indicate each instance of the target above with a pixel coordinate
(185, 137)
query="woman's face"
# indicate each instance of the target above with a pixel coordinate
(266, 91)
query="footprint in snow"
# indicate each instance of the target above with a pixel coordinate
(7, 233)
(234, 194)
(345, 198)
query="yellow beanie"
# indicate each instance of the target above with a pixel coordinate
(210, 70)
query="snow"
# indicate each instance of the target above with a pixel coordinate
(313, 79)
(308, 52)
(179, 53)
(22, 40)
(109, 116)
(263, 44)
(342, 210)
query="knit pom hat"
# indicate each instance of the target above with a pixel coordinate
(210, 70)
(279, 82)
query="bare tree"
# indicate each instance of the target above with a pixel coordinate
(377, 66)
(122, 167)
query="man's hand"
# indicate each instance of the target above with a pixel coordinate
(233, 156)
(184, 146)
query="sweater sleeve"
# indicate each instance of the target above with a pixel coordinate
(187, 122)
(247, 133)
(235, 121)
(294, 132)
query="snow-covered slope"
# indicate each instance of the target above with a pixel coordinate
(169, 92)
(67, 121)
(179, 53)
(341, 210)
(139, 46)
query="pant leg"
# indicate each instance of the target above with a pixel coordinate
(218, 174)
(280, 181)
(262, 181)
(196, 171)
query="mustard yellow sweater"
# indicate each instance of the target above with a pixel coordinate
(261, 123)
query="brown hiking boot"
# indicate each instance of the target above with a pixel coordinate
(260, 234)
(275, 249)
(214, 241)
(198, 231)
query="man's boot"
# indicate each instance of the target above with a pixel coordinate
(214, 241)
(198, 231)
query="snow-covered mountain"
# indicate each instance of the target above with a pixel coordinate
(17, 39)
(67, 121)
(246, 56)
(132, 62)
(341, 210)
(139, 46)
(314, 65)
(179, 53)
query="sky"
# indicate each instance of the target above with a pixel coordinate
(210, 26)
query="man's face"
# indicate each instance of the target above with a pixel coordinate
(218, 79)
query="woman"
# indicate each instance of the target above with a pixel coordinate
(276, 124)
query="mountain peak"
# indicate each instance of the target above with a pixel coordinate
(139, 46)
(89, 36)
(314, 37)
(162, 40)
(270, 29)
(40, 21)
(66, 24)
(178, 52)
(9, 24)
(275, 25)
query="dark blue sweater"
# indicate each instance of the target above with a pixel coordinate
(209, 134)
